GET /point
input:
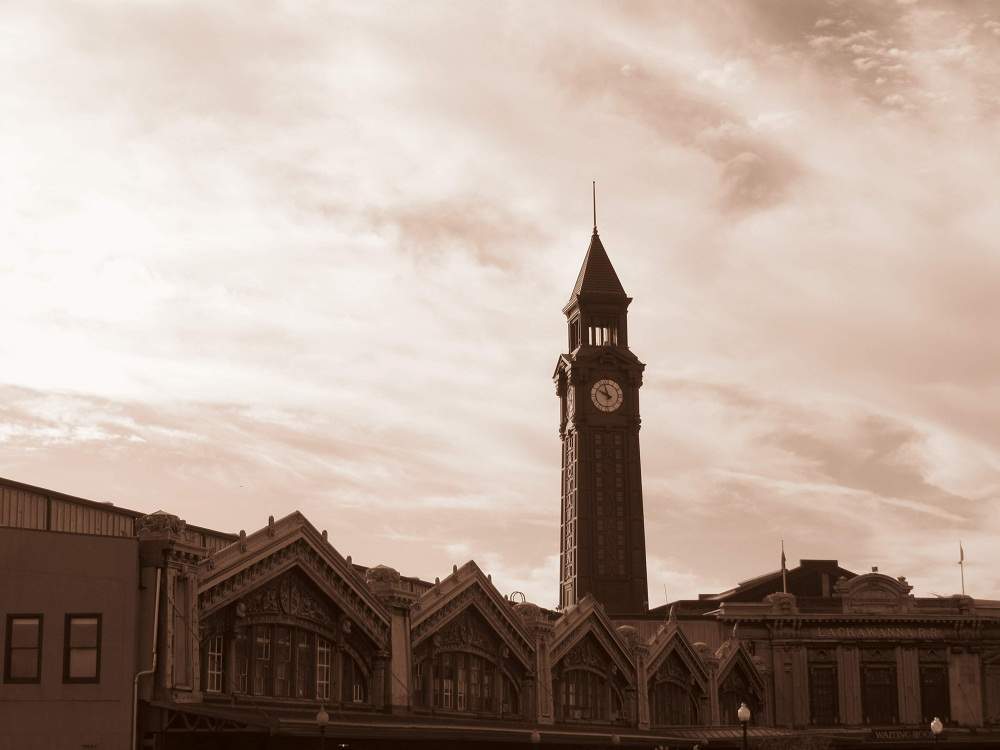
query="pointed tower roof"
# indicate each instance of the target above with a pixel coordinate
(597, 275)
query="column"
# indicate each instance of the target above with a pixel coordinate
(965, 687)
(849, 684)
(800, 687)
(642, 688)
(784, 688)
(908, 671)
(401, 664)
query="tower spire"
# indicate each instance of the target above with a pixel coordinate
(594, 187)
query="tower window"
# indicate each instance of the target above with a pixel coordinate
(602, 333)
(574, 334)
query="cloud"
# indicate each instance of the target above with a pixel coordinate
(315, 259)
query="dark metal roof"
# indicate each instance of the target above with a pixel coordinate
(597, 275)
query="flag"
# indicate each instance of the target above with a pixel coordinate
(782, 554)
(961, 554)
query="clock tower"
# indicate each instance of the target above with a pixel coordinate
(603, 545)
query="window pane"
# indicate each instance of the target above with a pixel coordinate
(24, 632)
(83, 632)
(24, 664)
(83, 663)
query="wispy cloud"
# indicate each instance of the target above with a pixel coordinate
(314, 258)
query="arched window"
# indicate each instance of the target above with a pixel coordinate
(275, 660)
(735, 689)
(585, 694)
(673, 704)
(674, 693)
(463, 681)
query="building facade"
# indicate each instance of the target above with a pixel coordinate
(131, 630)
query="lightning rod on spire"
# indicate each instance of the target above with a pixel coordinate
(594, 187)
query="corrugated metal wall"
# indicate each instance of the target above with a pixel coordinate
(24, 509)
(30, 510)
(85, 519)
(21, 509)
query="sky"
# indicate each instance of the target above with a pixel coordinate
(313, 256)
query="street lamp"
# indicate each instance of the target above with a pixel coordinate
(743, 714)
(936, 728)
(322, 718)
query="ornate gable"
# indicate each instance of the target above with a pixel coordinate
(875, 593)
(737, 657)
(466, 609)
(570, 638)
(670, 651)
(257, 571)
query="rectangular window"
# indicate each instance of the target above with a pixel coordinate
(934, 698)
(242, 666)
(323, 669)
(474, 683)
(879, 698)
(823, 694)
(262, 660)
(23, 650)
(82, 648)
(488, 686)
(282, 660)
(213, 666)
(448, 681)
(303, 665)
(418, 684)
(460, 694)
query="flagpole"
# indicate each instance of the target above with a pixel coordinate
(961, 565)
(784, 569)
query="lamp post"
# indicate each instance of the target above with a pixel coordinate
(743, 714)
(936, 728)
(322, 718)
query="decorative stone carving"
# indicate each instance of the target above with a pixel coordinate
(289, 595)
(159, 524)
(528, 612)
(382, 576)
(782, 603)
(586, 654)
(629, 634)
(465, 630)
(875, 593)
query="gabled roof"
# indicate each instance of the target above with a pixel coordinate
(469, 586)
(804, 580)
(597, 275)
(290, 542)
(668, 639)
(733, 652)
(589, 617)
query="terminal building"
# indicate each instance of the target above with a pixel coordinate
(124, 629)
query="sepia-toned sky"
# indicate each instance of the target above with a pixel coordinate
(274, 256)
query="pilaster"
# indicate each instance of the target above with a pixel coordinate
(965, 687)
(849, 684)
(394, 672)
(908, 669)
(541, 708)
(165, 543)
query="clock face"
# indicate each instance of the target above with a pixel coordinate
(570, 400)
(606, 395)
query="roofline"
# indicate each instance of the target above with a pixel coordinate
(101, 505)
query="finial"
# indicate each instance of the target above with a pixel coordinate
(594, 187)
